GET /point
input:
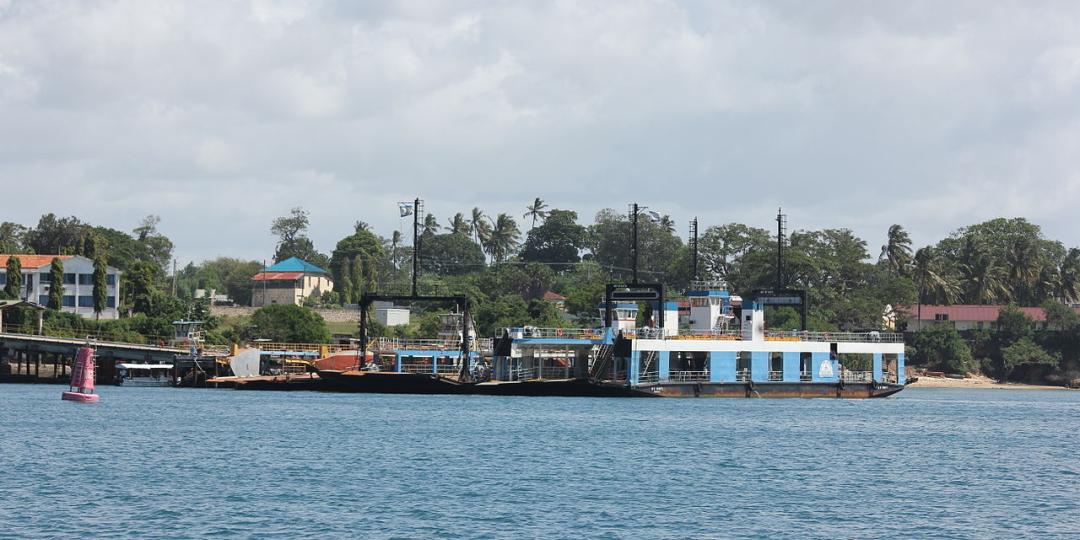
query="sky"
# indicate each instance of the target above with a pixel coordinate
(220, 116)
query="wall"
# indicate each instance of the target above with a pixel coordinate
(331, 315)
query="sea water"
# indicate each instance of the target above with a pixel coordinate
(162, 462)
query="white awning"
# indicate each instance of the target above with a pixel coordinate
(145, 366)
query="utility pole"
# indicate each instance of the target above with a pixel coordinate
(634, 242)
(693, 250)
(781, 230)
(416, 243)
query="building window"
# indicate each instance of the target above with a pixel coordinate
(110, 279)
(69, 279)
(3, 278)
(86, 301)
(69, 300)
(46, 278)
(86, 279)
(43, 299)
(110, 301)
(941, 316)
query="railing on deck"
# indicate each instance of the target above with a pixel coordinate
(688, 376)
(400, 344)
(534, 332)
(857, 376)
(731, 334)
(776, 375)
(856, 337)
(742, 375)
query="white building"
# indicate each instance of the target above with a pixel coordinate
(78, 283)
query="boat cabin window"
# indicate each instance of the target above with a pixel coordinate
(743, 366)
(776, 366)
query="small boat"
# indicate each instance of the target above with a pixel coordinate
(128, 374)
(82, 378)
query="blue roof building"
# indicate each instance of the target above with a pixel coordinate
(289, 282)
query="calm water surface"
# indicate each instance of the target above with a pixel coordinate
(221, 463)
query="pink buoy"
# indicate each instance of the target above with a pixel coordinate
(82, 378)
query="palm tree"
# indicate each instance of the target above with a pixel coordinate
(897, 251)
(1023, 266)
(458, 225)
(1068, 281)
(503, 237)
(395, 241)
(430, 226)
(477, 224)
(982, 276)
(536, 210)
(666, 223)
(931, 280)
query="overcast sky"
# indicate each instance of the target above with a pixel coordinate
(219, 116)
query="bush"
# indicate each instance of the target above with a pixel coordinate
(289, 323)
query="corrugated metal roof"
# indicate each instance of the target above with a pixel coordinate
(293, 264)
(275, 276)
(33, 261)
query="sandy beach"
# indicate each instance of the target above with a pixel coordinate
(977, 381)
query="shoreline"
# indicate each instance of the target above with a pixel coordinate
(977, 381)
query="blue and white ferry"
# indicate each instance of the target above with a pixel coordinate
(726, 351)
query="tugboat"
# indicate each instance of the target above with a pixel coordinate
(82, 378)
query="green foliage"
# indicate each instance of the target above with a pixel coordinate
(558, 240)
(12, 237)
(56, 283)
(55, 235)
(1060, 317)
(940, 347)
(291, 231)
(100, 291)
(451, 254)
(354, 264)
(1013, 325)
(1024, 351)
(289, 323)
(13, 287)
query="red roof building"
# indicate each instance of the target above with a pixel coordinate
(965, 316)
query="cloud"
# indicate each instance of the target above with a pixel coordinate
(221, 116)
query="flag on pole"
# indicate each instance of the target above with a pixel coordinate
(405, 209)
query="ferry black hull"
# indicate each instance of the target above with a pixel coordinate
(558, 388)
(771, 390)
(368, 382)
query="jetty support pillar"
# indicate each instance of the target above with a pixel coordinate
(877, 367)
(901, 377)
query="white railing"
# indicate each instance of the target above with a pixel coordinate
(650, 376)
(556, 373)
(399, 344)
(415, 367)
(857, 376)
(742, 375)
(535, 332)
(688, 376)
(447, 368)
(857, 337)
(776, 375)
